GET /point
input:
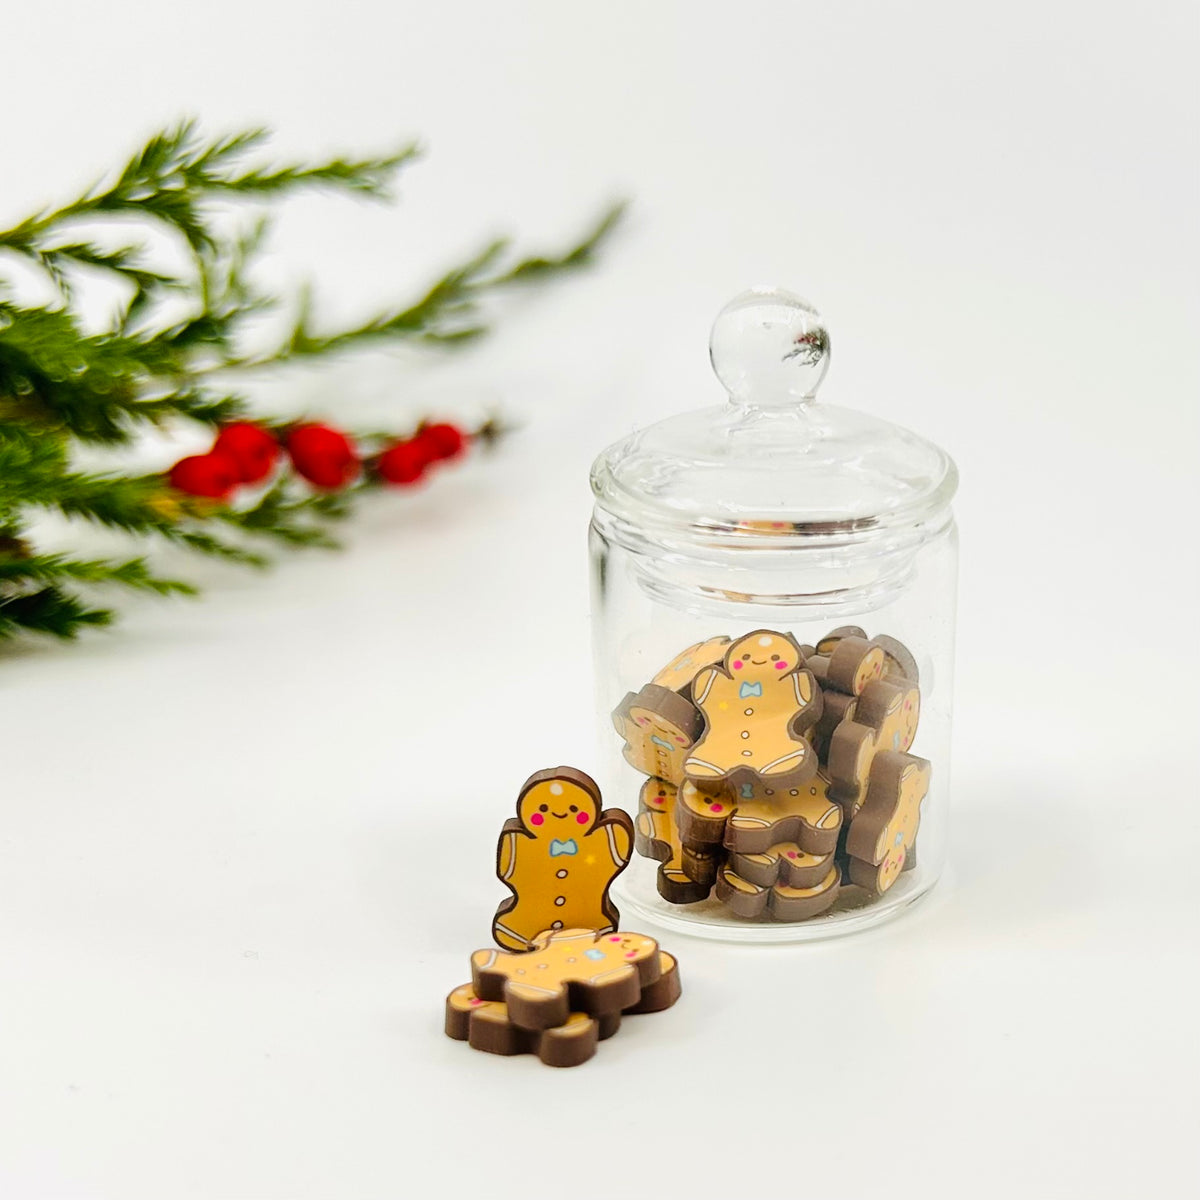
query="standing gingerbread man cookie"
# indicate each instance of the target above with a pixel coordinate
(559, 856)
(753, 706)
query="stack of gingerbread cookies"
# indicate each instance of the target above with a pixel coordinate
(565, 974)
(779, 773)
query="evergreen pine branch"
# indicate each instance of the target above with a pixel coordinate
(51, 568)
(448, 312)
(50, 611)
(580, 255)
(63, 383)
(292, 519)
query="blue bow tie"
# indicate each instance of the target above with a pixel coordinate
(567, 847)
(749, 689)
(659, 742)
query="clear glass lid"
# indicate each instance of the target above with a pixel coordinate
(772, 463)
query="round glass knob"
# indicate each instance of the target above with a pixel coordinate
(769, 348)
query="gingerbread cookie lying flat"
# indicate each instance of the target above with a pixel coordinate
(565, 971)
(760, 817)
(685, 875)
(559, 856)
(659, 727)
(883, 832)
(753, 705)
(486, 1026)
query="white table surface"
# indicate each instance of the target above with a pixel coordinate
(246, 843)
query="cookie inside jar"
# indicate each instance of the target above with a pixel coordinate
(788, 782)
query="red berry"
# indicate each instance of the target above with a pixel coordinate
(443, 440)
(324, 456)
(403, 463)
(252, 448)
(213, 475)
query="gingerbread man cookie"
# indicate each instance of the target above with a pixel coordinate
(659, 727)
(485, 1025)
(882, 835)
(760, 817)
(753, 705)
(559, 856)
(850, 665)
(679, 673)
(885, 718)
(898, 659)
(684, 875)
(781, 901)
(568, 970)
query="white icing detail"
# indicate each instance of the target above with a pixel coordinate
(699, 700)
(797, 754)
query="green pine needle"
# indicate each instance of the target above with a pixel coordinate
(178, 326)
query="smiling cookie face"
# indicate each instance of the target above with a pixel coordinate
(628, 947)
(762, 655)
(658, 726)
(899, 726)
(558, 807)
(658, 729)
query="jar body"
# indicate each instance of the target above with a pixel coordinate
(652, 598)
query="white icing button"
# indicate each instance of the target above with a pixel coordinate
(561, 874)
(749, 712)
(560, 900)
(745, 733)
(747, 753)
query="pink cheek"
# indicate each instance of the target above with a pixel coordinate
(643, 721)
(631, 954)
(615, 938)
(781, 666)
(582, 818)
(716, 807)
(475, 1002)
(536, 819)
(682, 741)
(737, 664)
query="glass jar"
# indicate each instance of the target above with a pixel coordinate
(773, 600)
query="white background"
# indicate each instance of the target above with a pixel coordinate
(246, 843)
